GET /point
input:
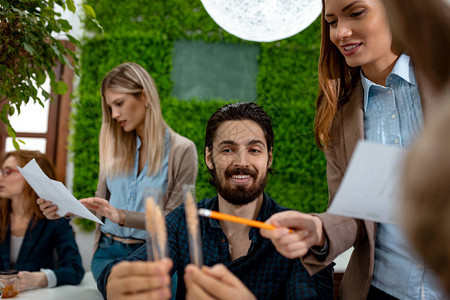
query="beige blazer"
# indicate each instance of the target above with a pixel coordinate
(182, 169)
(344, 232)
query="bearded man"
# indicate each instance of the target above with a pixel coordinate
(238, 154)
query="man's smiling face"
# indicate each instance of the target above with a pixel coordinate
(240, 160)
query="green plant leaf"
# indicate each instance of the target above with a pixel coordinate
(4, 4)
(60, 87)
(45, 94)
(98, 24)
(51, 74)
(70, 5)
(67, 62)
(19, 104)
(56, 50)
(73, 40)
(11, 132)
(40, 78)
(11, 110)
(64, 24)
(88, 10)
(15, 144)
(29, 48)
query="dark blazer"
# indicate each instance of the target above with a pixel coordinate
(42, 241)
(343, 232)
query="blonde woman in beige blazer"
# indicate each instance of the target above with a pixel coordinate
(137, 150)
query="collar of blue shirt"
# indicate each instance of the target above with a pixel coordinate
(403, 69)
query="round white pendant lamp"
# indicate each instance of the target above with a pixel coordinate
(263, 20)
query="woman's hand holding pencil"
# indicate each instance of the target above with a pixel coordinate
(306, 232)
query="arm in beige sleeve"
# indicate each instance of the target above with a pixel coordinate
(185, 168)
(185, 162)
(341, 232)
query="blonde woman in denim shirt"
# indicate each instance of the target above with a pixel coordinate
(137, 149)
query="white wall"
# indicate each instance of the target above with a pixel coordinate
(85, 242)
(74, 20)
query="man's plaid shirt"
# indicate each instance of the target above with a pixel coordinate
(268, 274)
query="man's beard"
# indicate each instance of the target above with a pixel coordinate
(240, 195)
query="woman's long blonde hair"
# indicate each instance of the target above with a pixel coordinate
(336, 82)
(23, 157)
(117, 147)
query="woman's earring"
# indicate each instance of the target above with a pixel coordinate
(146, 105)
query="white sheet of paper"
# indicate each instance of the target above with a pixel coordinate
(54, 191)
(370, 187)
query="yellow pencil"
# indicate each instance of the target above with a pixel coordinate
(225, 217)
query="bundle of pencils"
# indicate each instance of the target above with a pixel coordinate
(195, 244)
(156, 227)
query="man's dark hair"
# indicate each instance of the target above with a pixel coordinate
(236, 112)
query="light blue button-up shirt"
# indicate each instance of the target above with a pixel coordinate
(127, 191)
(393, 115)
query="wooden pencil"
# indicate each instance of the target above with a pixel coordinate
(225, 217)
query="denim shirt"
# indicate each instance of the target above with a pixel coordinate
(127, 191)
(393, 115)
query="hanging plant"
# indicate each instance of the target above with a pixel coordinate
(29, 52)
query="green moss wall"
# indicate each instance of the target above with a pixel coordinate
(144, 32)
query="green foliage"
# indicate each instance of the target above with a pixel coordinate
(189, 119)
(85, 224)
(144, 32)
(28, 52)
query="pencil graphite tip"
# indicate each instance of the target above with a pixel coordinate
(204, 212)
